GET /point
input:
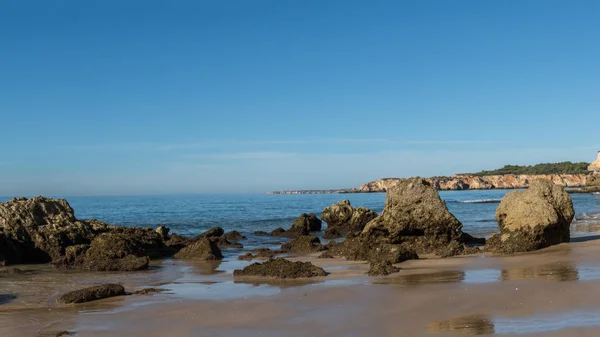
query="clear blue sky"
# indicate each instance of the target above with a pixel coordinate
(136, 97)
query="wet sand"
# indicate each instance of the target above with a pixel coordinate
(547, 293)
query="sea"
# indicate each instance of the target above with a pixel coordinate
(192, 214)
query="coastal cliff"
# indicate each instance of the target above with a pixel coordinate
(472, 182)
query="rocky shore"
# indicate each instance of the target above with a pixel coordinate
(462, 182)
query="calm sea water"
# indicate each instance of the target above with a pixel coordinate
(193, 214)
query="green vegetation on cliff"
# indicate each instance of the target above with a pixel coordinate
(566, 167)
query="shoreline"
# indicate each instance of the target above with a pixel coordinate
(427, 296)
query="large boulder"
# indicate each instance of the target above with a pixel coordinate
(533, 219)
(202, 249)
(112, 251)
(92, 293)
(303, 245)
(39, 229)
(416, 217)
(371, 248)
(306, 222)
(280, 268)
(342, 218)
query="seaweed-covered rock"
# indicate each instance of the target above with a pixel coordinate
(415, 217)
(342, 218)
(203, 249)
(260, 253)
(261, 233)
(280, 268)
(280, 232)
(382, 268)
(213, 232)
(163, 232)
(107, 252)
(177, 242)
(306, 222)
(92, 293)
(303, 245)
(533, 219)
(222, 242)
(325, 255)
(234, 236)
(365, 248)
(39, 229)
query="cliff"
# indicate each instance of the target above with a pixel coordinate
(471, 182)
(595, 166)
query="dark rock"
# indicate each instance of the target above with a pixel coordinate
(306, 222)
(280, 268)
(65, 333)
(533, 219)
(163, 232)
(260, 253)
(325, 255)
(203, 249)
(382, 268)
(365, 248)
(234, 236)
(247, 257)
(177, 242)
(92, 293)
(213, 232)
(342, 218)
(221, 242)
(471, 240)
(147, 291)
(303, 245)
(280, 232)
(39, 229)
(262, 233)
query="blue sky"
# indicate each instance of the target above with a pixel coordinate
(140, 97)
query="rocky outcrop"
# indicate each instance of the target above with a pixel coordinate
(415, 216)
(533, 219)
(472, 182)
(342, 218)
(92, 293)
(303, 245)
(234, 236)
(595, 166)
(280, 268)
(306, 222)
(259, 253)
(201, 249)
(382, 268)
(38, 230)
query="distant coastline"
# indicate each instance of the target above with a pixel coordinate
(459, 183)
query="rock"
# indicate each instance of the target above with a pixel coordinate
(234, 236)
(382, 268)
(203, 249)
(221, 242)
(325, 255)
(370, 248)
(280, 232)
(260, 253)
(303, 245)
(533, 219)
(5, 271)
(282, 269)
(92, 293)
(177, 242)
(163, 231)
(247, 257)
(416, 217)
(262, 233)
(39, 229)
(595, 166)
(306, 222)
(213, 232)
(65, 333)
(342, 218)
(148, 291)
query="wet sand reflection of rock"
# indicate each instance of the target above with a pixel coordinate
(551, 272)
(446, 276)
(470, 325)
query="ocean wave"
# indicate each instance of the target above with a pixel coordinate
(480, 201)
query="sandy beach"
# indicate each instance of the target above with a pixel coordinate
(546, 293)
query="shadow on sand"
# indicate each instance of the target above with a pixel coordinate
(6, 298)
(586, 238)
